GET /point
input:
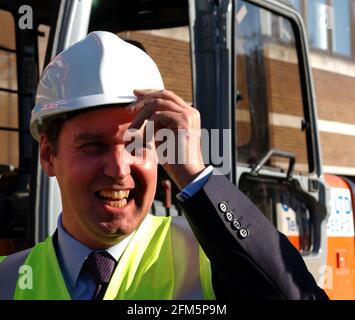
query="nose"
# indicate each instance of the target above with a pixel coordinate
(117, 164)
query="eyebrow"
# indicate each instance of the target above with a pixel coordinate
(87, 136)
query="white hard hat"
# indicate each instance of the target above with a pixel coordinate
(99, 70)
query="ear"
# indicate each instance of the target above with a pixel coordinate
(46, 154)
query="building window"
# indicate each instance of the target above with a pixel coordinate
(317, 15)
(341, 27)
(328, 23)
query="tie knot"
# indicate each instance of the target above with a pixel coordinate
(100, 265)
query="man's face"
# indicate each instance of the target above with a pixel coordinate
(106, 190)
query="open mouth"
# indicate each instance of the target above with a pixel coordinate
(114, 198)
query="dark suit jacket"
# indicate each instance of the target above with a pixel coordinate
(260, 262)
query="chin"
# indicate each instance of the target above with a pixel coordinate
(119, 228)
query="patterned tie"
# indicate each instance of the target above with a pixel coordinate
(100, 266)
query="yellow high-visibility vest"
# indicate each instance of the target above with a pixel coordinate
(162, 261)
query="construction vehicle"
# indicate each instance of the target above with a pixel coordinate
(251, 81)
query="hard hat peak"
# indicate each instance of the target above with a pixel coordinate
(101, 69)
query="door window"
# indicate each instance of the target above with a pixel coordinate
(269, 109)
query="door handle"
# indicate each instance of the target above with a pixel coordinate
(275, 152)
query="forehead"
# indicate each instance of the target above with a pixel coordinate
(105, 122)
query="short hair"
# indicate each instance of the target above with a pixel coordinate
(51, 128)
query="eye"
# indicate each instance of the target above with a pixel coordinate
(93, 147)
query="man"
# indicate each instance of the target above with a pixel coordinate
(106, 245)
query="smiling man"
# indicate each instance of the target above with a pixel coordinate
(106, 245)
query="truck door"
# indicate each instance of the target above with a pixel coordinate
(253, 81)
(278, 157)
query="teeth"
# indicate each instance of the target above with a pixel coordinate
(121, 194)
(117, 204)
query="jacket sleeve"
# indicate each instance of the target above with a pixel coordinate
(252, 262)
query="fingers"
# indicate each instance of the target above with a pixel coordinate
(146, 111)
(142, 92)
(148, 94)
(166, 119)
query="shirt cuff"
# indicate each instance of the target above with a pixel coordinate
(194, 186)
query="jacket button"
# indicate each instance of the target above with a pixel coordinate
(229, 216)
(223, 207)
(243, 233)
(236, 224)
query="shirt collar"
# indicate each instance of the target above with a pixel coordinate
(72, 253)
